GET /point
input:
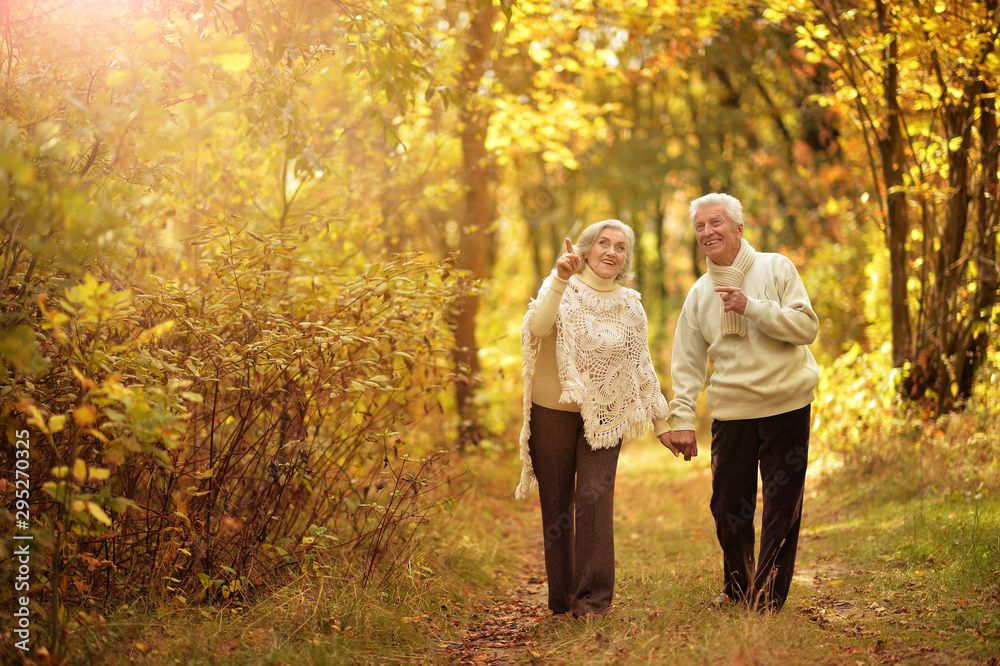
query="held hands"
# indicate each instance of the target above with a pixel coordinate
(568, 262)
(681, 442)
(733, 299)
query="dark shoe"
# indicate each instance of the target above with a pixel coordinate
(721, 601)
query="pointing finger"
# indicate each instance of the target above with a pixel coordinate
(569, 247)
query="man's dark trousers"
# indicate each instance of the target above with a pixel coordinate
(779, 445)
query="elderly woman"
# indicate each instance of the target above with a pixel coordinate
(751, 315)
(589, 385)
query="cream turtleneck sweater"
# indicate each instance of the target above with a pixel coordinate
(546, 389)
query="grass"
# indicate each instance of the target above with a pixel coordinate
(898, 563)
(883, 576)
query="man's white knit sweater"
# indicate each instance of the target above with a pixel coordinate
(770, 371)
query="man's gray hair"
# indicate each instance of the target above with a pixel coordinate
(732, 206)
(585, 243)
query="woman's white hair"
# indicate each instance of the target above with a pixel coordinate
(585, 243)
(732, 206)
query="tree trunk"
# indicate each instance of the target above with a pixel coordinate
(950, 264)
(897, 222)
(987, 201)
(476, 233)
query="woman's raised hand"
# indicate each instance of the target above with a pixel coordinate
(568, 262)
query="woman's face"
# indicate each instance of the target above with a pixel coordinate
(607, 257)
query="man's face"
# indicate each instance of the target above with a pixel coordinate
(716, 235)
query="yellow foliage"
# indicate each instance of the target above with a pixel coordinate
(79, 470)
(85, 415)
(97, 512)
(98, 474)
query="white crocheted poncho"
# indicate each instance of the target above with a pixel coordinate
(602, 351)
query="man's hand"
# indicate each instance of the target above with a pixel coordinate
(733, 299)
(568, 262)
(684, 441)
(666, 440)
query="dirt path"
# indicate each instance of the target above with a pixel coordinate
(502, 631)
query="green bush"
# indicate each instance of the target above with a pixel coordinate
(197, 439)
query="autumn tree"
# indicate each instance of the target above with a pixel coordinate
(918, 83)
(671, 101)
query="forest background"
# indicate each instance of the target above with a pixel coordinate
(264, 263)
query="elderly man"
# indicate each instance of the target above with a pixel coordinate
(751, 315)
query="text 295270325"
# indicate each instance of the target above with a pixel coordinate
(22, 539)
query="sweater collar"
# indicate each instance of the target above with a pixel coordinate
(595, 281)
